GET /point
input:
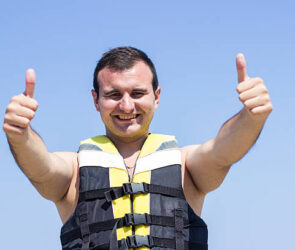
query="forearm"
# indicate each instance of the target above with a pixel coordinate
(31, 155)
(50, 173)
(236, 137)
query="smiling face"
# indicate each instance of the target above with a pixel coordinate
(126, 101)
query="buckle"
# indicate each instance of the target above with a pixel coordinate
(141, 219)
(136, 219)
(133, 188)
(110, 195)
(128, 219)
(127, 189)
(135, 241)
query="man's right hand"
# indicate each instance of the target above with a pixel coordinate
(21, 110)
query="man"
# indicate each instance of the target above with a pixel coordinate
(131, 181)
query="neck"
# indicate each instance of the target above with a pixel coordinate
(128, 146)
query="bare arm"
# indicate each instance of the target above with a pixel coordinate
(50, 173)
(209, 163)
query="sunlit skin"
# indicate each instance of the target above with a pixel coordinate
(126, 102)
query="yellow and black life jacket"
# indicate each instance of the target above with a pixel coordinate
(147, 212)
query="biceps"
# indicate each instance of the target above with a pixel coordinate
(207, 175)
(56, 184)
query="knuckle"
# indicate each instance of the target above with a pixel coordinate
(247, 104)
(9, 108)
(17, 98)
(12, 107)
(5, 127)
(34, 105)
(258, 79)
(6, 118)
(241, 97)
(31, 115)
(14, 98)
(263, 88)
(238, 89)
(26, 122)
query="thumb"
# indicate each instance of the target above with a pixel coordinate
(30, 83)
(241, 67)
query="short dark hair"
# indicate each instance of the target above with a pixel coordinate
(123, 58)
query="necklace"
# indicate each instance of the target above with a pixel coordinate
(128, 167)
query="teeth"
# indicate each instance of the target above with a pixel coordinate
(125, 117)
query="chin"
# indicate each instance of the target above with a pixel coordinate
(129, 134)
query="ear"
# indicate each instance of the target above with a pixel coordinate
(157, 97)
(95, 100)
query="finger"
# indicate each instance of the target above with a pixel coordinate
(17, 121)
(252, 92)
(25, 112)
(241, 67)
(29, 103)
(266, 109)
(24, 101)
(246, 85)
(255, 102)
(30, 83)
(13, 129)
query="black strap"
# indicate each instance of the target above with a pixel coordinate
(84, 226)
(93, 194)
(128, 220)
(93, 228)
(136, 241)
(179, 239)
(129, 188)
(135, 188)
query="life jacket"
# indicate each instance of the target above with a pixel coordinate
(147, 212)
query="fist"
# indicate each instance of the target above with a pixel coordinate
(252, 92)
(21, 109)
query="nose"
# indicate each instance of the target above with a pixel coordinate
(127, 104)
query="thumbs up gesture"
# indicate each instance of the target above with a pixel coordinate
(21, 109)
(252, 92)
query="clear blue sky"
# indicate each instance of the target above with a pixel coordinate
(193, 45)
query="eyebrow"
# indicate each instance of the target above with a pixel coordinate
(140, 90)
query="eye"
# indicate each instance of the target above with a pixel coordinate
(114, 95)
(137, 94)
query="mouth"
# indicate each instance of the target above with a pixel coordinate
(126, 117)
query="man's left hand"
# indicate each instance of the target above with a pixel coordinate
(252, 92)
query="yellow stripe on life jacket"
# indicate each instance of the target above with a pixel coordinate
(141, 203)
(102, 142)
(121, 206)
(152, 142)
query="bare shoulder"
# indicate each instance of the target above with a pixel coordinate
(194, 197)
(67, 204)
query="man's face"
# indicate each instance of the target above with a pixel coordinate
(126, 101)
